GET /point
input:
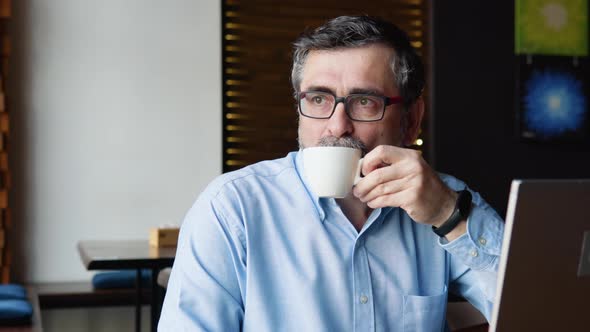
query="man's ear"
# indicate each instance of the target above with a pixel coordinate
(413, 121)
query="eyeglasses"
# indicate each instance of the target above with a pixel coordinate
(358, 107)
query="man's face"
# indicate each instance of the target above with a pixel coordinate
(346, 71)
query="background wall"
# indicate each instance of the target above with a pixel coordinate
(474, 124)
(116, 115)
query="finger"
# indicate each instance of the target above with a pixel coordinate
(397, 199)
(379, 176)
(379, 156)
(384, 155)
(384, 189)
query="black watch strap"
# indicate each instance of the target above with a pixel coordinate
(461, 212)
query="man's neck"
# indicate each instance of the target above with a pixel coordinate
(356, 211)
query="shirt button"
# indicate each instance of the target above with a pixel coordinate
(474, 253)
(482, 241)
(364, 299)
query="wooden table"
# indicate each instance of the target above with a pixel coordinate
(130, 255)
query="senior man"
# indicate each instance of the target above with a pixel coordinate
(259, 251)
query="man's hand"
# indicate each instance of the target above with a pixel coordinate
(400, 177)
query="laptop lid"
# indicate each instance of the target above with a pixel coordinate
(544, 271)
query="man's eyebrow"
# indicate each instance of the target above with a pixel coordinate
(366, 91)
(321, 88)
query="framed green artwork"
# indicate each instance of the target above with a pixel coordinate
(551, 27)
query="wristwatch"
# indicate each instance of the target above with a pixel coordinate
(461, 212)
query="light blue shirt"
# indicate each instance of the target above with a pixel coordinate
(259, 252)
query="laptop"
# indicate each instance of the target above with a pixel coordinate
(544, 271)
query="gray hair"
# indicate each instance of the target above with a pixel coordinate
(357, 31)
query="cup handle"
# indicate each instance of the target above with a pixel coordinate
(357, 175)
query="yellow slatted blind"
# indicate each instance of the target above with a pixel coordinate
(259, 113)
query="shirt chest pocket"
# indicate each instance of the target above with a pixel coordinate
(424, 313)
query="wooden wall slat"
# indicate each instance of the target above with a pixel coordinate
(5, 180)
(5, 8)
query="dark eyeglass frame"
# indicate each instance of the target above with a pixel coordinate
(387, 101)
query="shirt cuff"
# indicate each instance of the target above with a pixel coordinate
(480, 247)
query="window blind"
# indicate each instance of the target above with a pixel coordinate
(259, 112)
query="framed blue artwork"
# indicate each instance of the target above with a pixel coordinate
(553, 99)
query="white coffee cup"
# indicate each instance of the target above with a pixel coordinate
(331, 171)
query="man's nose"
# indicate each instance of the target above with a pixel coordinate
(339, 124)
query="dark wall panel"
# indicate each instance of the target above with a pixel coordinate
(474, 104)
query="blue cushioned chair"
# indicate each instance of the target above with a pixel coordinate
(120, 279)
(12, 292)
(15, 312)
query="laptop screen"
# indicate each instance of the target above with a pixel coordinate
(544, 271)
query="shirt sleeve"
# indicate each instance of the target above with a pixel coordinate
(205, 288)
(475, 255)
